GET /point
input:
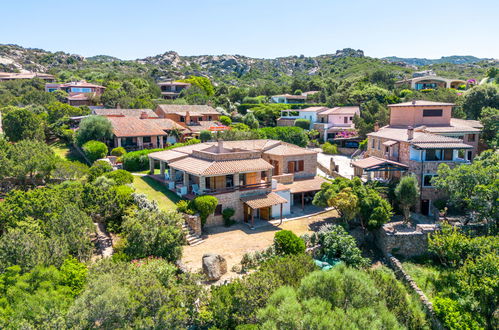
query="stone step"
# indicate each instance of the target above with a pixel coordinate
(199, 241)
(191, 238)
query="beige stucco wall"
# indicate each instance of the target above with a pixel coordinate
(413, 116)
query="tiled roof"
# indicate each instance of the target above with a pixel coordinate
(181, 108)
(311, 109)
(168, 155)
(125, 112)
(199, 166)
(173, 83)
(452, 129)
(374, 161)
(132, 126)
(166, 124)
(420, 103)
(206, 125)
(303, 185)
(260, 201)
(465, 122)
(79, 84)
(389, 143)
(400, 134)
(288, 150)
(428, 137)
(442, 146)
(350, 110)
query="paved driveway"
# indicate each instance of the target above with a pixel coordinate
(343, 163)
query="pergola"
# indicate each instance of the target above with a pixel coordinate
(252, 203)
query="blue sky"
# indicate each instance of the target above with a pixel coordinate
(136, 29)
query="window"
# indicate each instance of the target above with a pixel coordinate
(471, 138)
(345, 120)
(182, 119)
(52, 89)
(432, 113)
(374, 141)
(351, 118)
(387, 149)
(296, 166)
(322, 119)
(242, 179)
(218, 209)
(147, 139)
(379, 144)
(81, 90)
(448, 153)
(427, 180)
(431, 155)
(209, 118)
(229, 181)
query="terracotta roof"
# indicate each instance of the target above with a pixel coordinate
(374, 161)
(173, 83)
(442, 146)
(288, 150)
(168, 155)
(420, 103)
(199, 166)
(167, 124)
(303, 185)
(428, 137)
(389, 143)
(182, 108)
(76, 84)
(310, 109)
(206, 125)
(400, 134)
(132, 126)
(453, 129)
(124, 112)
(350, 110)
(465, 122)
(260, 201)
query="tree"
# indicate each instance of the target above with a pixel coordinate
(31, 159)
(22, 124)
(346, 203)
(407, 194)
(489, 118)
(330, 149)
(67, 170)
(94, 150)
(225, 120)
(118, 151)
(293, 135)
(250, 120)
(99, 168)
(286, 242)
(96, 128)
(479, 97)
(205, 135)
(473, 187)
(302, 123)
(120, 177)
(205, 205)
(153, 233)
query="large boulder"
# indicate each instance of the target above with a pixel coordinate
(214, 266)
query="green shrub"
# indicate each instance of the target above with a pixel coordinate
(118, 152)
(286, 242)
(205, 205)
(225, 120)
(363, 145)
(330, 149)
(302, 123)
(184, 206)
(120, 176)
(99, 168)
(94, 150)
(205, 135)
(227, 214)
(452, 315)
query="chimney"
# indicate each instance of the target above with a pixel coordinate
(220, 146)
(187, 117)
(143, 115)
(376, 126)
(410, 133)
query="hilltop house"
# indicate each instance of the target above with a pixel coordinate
(4, 76)
(289, 116)
(256, 178)
(171, 89)
(429, 80)
(421, 136)
(79, 93)
(288, 99)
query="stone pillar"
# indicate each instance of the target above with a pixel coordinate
(172, 173)
(118, 142)
(140, 141)
(269, 175)
(151, 166)
(162, 168)
(202, 184)
(186, 179)
(236, 180)
(161, 144)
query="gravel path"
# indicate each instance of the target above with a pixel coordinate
(103, 241)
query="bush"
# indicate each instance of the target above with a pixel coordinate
(94, 128)
(205, 205)
(227, 214)
(118, 152)
(184, 206)
(453, 315)
(225, 120)
(286, 242)
(303, 123)
(99, 168)
(205, 135)
(330, 149)
(120, 176)
(94, 150)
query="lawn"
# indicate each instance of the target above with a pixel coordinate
(62, 150)
(156, 171)
(156, 191)
(427, 276)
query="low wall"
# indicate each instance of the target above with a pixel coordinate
(395, 238)
(402, 275)
(347, 151)
(284, 178)
(194, 223)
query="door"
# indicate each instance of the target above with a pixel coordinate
(470, 155)
(265, 213)
(425, 207)
(251, 178)
(247, 213)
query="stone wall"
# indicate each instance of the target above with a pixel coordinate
(309, 162)
(396, 238)
(284, 178)
(347, 151)
(194, 222)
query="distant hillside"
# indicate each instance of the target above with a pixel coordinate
(230, 69)
(444, 59)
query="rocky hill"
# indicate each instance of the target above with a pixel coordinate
(444, 59)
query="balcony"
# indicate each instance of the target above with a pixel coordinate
(192, 190)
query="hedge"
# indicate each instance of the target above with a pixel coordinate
(138, 161)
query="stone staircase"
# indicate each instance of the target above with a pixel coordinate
(191, 238)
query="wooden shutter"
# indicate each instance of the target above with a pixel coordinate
(301, 165)
(251, 178)
(291, 167)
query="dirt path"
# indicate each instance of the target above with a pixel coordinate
(103, 242)
(233, 242)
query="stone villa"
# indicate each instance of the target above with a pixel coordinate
(421, 136)
(257, 178)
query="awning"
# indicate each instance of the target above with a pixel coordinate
(389, 143)
(372, 163)
(442, 146)
(261, 201)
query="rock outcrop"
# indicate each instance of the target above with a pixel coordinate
(214, 266)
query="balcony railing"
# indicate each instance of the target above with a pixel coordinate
(180, 188)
